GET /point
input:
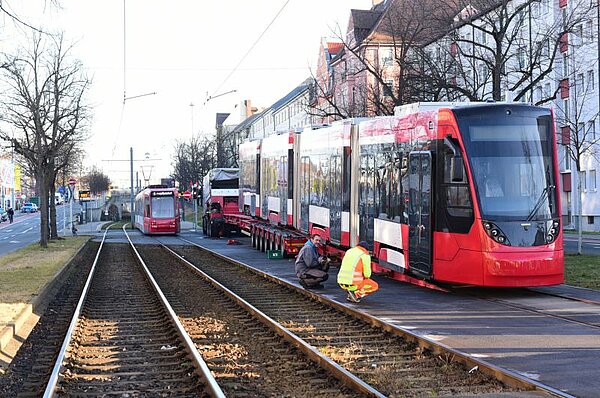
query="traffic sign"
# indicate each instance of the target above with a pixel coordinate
(72, 181)
(187, 195)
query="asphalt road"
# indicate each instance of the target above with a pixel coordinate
(591, 244)
(25, 229)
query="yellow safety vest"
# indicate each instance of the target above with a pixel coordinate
(356, 266)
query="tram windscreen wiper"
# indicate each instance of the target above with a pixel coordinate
(545, 194)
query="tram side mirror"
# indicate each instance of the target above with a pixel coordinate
(456, 168)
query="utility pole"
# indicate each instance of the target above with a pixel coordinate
(192, 112)
(195, 199)
(131, 175)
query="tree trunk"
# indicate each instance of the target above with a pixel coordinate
(579, 214)
(43, 195)
(53, 227)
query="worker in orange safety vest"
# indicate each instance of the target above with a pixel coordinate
(355, 273)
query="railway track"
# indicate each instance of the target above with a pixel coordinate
(389, 363)
(124, 340)
(553, 305)
(246, 357)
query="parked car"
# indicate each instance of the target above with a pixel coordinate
(29, 208)
(3, 215)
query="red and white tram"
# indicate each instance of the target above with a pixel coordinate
(451, 193)
(156, 210)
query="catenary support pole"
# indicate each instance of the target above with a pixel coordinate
(131, 172)
(195, 199)
(71, 197)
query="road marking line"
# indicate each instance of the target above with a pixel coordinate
(27, 230)
(6, 237)
(14, 241)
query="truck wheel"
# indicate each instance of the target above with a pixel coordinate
(214, 230)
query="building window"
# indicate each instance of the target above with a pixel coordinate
(535, 9)
(388, 88)
(580, 131)
(537, 95)
(578, 35)
(580, 83)
(582, 181)
(591, 130)
(548, 90)
(387, 57)
(591, 80)
(521, 57)
(592, 174)
(566, 110)
(567, 158)
(590, 219)
(589, 31)
(546, 6)
(565, 65)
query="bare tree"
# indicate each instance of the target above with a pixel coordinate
(97, 181)
(382, 68)
(45, 105)
(500, 46)
(193, 159)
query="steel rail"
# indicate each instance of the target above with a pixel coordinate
(563, 296)
(534, 311)
(346, 377)
(211, 384)
(53, 381)
(506, 376)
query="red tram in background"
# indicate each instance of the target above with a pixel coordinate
(457, 193)
(156, 210)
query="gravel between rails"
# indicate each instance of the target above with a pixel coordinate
(392, 365)
(246, 358)
(29, 371)
(124, 343)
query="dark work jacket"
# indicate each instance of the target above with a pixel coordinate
(308, 257)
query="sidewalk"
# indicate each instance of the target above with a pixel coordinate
(189, 226)
(573, 235)
(91, 228)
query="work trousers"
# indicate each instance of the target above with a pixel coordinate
(313, 277)
(362, 288)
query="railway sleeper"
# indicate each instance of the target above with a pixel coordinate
(126, 376)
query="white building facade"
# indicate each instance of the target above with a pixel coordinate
(542, 65)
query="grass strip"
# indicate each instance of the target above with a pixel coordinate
(582, 271)
(24, 272)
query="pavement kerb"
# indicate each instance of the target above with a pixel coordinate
(39, 302)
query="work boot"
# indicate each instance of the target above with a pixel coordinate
(352, 297)
(304, 284)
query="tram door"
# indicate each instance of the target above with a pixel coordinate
(419, 211)
(282, 189)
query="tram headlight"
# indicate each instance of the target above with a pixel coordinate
(495, 233)
(553, 231)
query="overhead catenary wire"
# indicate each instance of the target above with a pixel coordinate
(250, 49)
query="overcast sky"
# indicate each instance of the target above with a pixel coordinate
(181, 50)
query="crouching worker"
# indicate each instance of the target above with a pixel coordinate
(310, 268)
(355, 273)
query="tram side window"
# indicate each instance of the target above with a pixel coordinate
(389, 186)
(456, 200)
